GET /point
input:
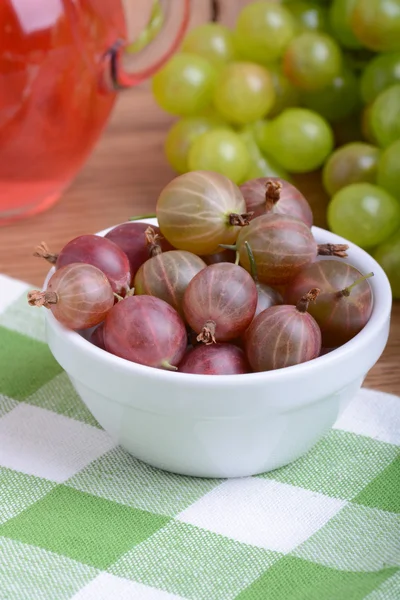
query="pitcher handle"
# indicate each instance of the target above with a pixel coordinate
(129, 65)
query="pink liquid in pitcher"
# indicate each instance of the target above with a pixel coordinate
(52, 104)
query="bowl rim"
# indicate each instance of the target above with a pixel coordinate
(382, 303)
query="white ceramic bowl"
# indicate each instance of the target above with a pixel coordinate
(224, 426)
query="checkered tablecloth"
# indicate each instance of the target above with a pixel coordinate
(82, 519)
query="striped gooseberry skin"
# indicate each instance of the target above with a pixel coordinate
(83, 295)
(282, 336)
(101, 253)
(167, 276)
(339, 317)
(223, 295)
(132, 240)
(215, 359)
(194, 210)
(281, 245)
(288, 200)
(146, 330)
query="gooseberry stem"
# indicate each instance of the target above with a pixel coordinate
(43, 251)
(38, 298)
(138, 218)
(118, 297)
(153, 242)
(272, 193)
(228, 247)
(346, 291)
(253, 266)
(311, 296)
(333, 250)
(207, 335)
(240, 220)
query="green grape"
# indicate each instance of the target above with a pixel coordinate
(389, 169)
(286, 95)
(384, 116)
(353, 163)
(382, 72)
(263, 30)
(300, 140)
(309, 16)
(185, 85)
(181, 136)
(340, 19)
(261, 166)
(388, 256)
(337, 100)
(376, 24)
(312, 60)
(211, 41)
(244, 92)
(364, 214)
(223, 151)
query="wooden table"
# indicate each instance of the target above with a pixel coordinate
(123, 178)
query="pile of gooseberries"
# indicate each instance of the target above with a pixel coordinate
(230, 282)
(294, 87)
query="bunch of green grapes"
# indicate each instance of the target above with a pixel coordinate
(298, 86)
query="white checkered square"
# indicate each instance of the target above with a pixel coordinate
(263, 513)
(373, 414)
(42, 443)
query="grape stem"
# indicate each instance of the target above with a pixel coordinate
(272, 193)
(153, 242)
(311, 296)
(207, 335)
(140, 217)
(38, 298)
(240, 220)
(333, 250)
(346, 291)
(43, 251)
(253, 266)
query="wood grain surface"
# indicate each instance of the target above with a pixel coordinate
(123, 178)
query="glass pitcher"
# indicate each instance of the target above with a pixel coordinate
(61, 64)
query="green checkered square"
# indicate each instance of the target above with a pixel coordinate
(337, 544)
(118, 476)
(26, 364)
(82, 527)
(194, 563)
(340, 465)
(18, 491)
(384, 491)
(59, 396)
(24, 319)
(30, 573)
(293, 578)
